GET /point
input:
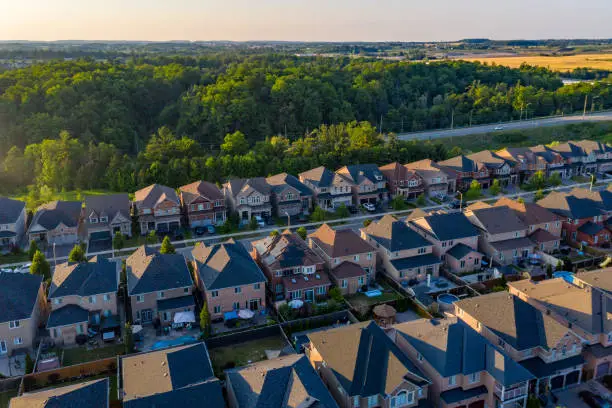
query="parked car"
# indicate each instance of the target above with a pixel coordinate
(593, 400)
(455, 204)
(369, 207)
(199, 231)
(210, 229)
(260, 222)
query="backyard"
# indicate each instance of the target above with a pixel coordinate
(5, 397)
(78, 355)
(361, 302)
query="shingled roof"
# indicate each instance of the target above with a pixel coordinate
(153, 195)
(322, 177)
(285, 250)
(10, 210)
(97, 276)
(497, 220)
(200, 189)
(340, 242)
(149, 271)
(107, 206)
(279, 182)
(258, 184)
(18, 294)
(358, 172)
(569, 205)
(91, 394)
(50, 215)
(447, 226)
(529, 213)
(394, 235)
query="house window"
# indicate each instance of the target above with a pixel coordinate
(185, 290)
(107, 298)
(257, 286)
(337, 261)
(476, 261)
(278, 274)
(452, 380)
(372, 401)
(166, 316)
(217, 309)
(516, 234)
(344, 284)
(236, 305)
(355, 400)
(242, 200)
(474, 378)
(93, 220)
(501, 343)
(79, 329)
(214, 293)
(546, 226)
(422, 250)
(356, 258)
(160, 294)
(140, 299)
(18, 340)
(361, 280)
(462, 264)
(57, 332)
(238, 290)
(321, 290)
(369, 255)
(103, 219)
(14, 324)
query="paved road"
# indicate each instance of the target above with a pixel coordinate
(526, 124)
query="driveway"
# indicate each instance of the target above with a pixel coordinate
(61, 251)
(569, 398)
(100, 246)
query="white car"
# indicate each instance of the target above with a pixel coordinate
(260, 221)
(370, 207)
(500, 127)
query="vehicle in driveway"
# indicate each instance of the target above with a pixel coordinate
(593, 400)
(369, 207)
(260, 222)
(199, 231)
(211, 229)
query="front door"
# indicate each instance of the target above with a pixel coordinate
(309, 294)
(254, 304)
(3, 349)
(147, 316)
(526, 253)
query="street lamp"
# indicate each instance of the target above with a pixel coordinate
(460, 201)
(288, 219)
(592, 181)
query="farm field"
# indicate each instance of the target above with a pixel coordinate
(562, 63)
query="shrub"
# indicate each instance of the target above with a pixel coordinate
(421, 201)
(77, 254)
(118, 241)
(336, 294)
(32, 250)
(398, 203)
(167, 247)
(367, 222)
(302, 232)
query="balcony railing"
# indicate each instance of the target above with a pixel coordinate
(510, 393)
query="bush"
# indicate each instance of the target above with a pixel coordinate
(40, 266)
(29, 364)
(343, 212)
(398, 203)
(336, 294)
(151, 238)
(274, 233)
(77, 254)
(421, 201)
(118, 241)
(32, 250)
(167, 247)
(367, 222)
(81, 339)
(302, 232)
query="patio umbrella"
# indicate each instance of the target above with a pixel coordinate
(296, 304)
(184, 317)
(246, 314)
(136, 329)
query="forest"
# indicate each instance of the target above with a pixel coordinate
(121, 125)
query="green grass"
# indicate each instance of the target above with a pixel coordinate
(242, 353)
(5, 397)
(360, 301)
(80, 355)
(13, 258)
(135, 241)
(48, 195)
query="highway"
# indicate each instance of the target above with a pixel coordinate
(519, 125)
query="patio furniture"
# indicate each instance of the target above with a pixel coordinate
(246, 314)
(296, 304)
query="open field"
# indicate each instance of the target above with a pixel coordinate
(561, 63)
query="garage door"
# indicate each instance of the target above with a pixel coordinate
(602, 370)
(100, 236)
(556, 382)
(572, 378)
(477, 404)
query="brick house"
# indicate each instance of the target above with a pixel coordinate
(23, 306)
(83, 295)
(499, 167)
(368, 183)
(437, 182)
(577, 160)
(229, 278)
(403, 253)
(349, 277)
(555, 162)
(203, 204)
(290, 196)
(13, 217)
(601, 151)
(465, 170)
(249, 198)
(104, 215)
(294, 270)
(158, 208)
(528, 161)
(56, 222)
(402, 181)
(331, 190)
(159, 286)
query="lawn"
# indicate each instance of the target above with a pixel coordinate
(48, 195)
(135, 241)
(78, 355)
(241, 354)
(361, 302)
(13, 258)
(5, 397)
(560, 63)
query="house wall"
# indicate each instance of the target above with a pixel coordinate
(226, 298)
(472, 262)
(553, 227)
(66, 335)
(27, 329)
(367, 260)
(18, 227)
(98, 303)
(150, 301)
(569, 229)
(61, 235)
(210, 214)
(352, 284)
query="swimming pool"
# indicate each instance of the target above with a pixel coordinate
(179, 341)
(447, 298)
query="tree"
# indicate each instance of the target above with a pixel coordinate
(274, 233)
(367, 222)
(118, 241)
(123, 275)
(235, 144)
(342, 211)
(474, 192)
(167, 247)
(128, 339)
(151, 238)
(302, 232)
(554, 180)
(537, 181)
(549, 271)
(539, 195)
(40, 266)
(29, 364)
(77, 254)
(520, 200)
(495, 188)
(318, 215)
(32, 250)
(421, 200)
(336, 294)
(253, 224)
(398, 203)
(205, 320)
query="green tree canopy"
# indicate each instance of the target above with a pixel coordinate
(166, 246)
(77, 254)
(40, 266)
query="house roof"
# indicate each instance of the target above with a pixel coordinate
(159, 372)
(153, 195)
(460, 163)
(197, 189)
(18, 294)
(365, 360)
(66, 315)
(569, 205)
(459, 394)
(288, 381)
(285, 250)
(280, 181)
(93, 394)
(591, 228)
(490, 159)
(512, 243)
(206, 394)
(601, 279)
(602, 197)
(460, 251)
(415, 262)
(545, 153)
(515, 321)
(301, 281)
(322, 177)
(358, 172)
(346, 270)
(396, 171)
(10, 210)
(97, 276)
(395, 235)
(258, 184)
(107, 206)
(568, 150)
(594, 146)
(452, 348)
(50, 215)
(226, 265)
(149, 271)
(425, 168)
(539, 236)
(498, 220)
(542, 369)
(341, 242)
(449, 226)
(529, 213)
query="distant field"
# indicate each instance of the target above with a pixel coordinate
(564, 63)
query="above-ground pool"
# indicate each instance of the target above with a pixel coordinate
(566, 275)
(373, 293)
(179, 341)
(446, 301)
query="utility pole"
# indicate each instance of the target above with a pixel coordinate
(381, 123)
(586, 97)
(452, 119)
(471, 113)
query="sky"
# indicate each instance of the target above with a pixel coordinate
(303, 20)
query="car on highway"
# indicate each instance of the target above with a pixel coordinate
(369, 207)
(500, 127)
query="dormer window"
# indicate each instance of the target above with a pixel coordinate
(103, 219)
(93, 220)
(379, 177)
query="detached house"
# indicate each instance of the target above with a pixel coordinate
(229, 279)
(249, 197)
(290, 196)
(159, 286)
(12, 222)
(404, 254)
(465, 170)
(106, 215)
(331, 190)
(158, 208)
(83, 295)
(294, 270)
(363, 367)
(437, 182)
(555, 162)
(601, 151)
(402, 181)
(91, 394)
(526, 161)
(369, 184)
(56, 222)
(22, 307)
(203, 204)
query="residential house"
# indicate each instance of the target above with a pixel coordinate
(229, 278)
(499, 167)
(527, 161)
(503, 235)
(577, 161)
(174, 377)
(336, 246)
(249, 197)
(601, 151)
(56, 222)
(402, 181)
(288, 381)
(368, 183)
(83, 295)
(22, 307)
(294, 270)
(12, 222)
(158, 208)
(290, 196)
(543, 226)
(464, 170)
(585, 215)
(159, 286)
(105, 215)
(203, 204)
(363, 367)
(92, 394)
(331, 190)
(454, 238)
(437, 181)
(464, 368)
(555, 162)
(404, 254)
(547, 349)
(349, 277)
(582, 304)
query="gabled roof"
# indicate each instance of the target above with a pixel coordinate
(358, 172)
(593, 146)
(452, 348)
(460, 163)
(529, 213)
(590, 228)
(545, 153)
(341, 242)
(448, 226)
(288, 381)
(285, 250)
(153, 195)
(107, 206)
(91, 394)
(226, 265)
(280, 181)
(418, 261)
(396, 171)
(497, 220)
(149, 271)
(67, 315)
(10, 210)
(600, 279)
(601, 197)
(97, 276)
(490, 159)
(568, 150)
(200, 189)
(18, 294)
(322, 177)
(568, 205)
(50, 215)
(395, 235)
(258, 184)
(365, 360)
(460, 251)
(540, 236)
(515, 321)
(346, 270)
